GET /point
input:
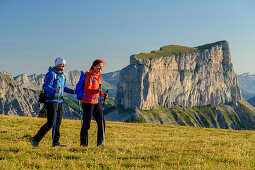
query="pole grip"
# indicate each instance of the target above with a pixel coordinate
(100, 91)
(100, 88)
(107, 93)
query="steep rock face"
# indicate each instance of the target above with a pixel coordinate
(15, 100)
(198, 78)
(72, 78)
(31, 82)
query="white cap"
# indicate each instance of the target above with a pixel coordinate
(60, 60)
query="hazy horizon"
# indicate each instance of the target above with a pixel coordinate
(34, 33)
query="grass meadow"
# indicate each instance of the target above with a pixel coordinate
(127, 146)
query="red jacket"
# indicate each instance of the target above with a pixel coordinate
(91, 87)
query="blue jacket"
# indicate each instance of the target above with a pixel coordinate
(55, 79)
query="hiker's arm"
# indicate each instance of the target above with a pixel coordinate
(68, 90)
(49, 79)
(88, 86)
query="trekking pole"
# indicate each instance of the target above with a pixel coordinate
(55, 121)
(100, 90)
(81, 114)
(94, 136)
(103, 118)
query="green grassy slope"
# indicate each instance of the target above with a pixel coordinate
(241, 117)
(213, 116)
(128, 145)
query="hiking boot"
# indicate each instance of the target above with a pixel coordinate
(100, 144)
(84, 143)
(58, 144)
(33, 142)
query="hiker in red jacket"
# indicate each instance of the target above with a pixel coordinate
(90, 105)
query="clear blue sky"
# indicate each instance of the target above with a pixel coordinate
(33, 33)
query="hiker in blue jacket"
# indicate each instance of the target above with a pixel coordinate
(55, 86)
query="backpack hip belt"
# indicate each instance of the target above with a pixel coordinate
(53, 98)
(91, 97)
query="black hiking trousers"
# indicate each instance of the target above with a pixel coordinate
(89, 110)
(51, 114)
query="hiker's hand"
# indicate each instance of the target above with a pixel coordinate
(106, 95)
(99, 90)
(74, 92)
(58, 90)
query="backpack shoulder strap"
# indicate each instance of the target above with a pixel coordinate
(93, 79)
(64, 76)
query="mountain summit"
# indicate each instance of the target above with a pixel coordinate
(188, 76)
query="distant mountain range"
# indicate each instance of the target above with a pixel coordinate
(247, 85)
(35, 82)
(17, 100)
(19, 95)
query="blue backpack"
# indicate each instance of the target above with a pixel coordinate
(80, 86)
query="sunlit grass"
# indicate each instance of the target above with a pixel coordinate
(166, 51)
(170, 50)
(127, 145)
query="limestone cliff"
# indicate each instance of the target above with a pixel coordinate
(187, 76)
